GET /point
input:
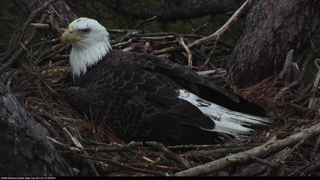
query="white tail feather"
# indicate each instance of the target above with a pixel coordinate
(226, 121)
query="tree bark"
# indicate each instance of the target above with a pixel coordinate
(25, 149)
(272, 28)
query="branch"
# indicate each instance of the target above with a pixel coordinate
(245, 156)
(188, 51)
(299, 80)
(174, 13)
(213, 36)
(226, 26)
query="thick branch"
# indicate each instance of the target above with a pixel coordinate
(257, 152)
(174, 13)
(25, 149)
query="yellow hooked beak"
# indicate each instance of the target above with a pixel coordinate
(70, 35)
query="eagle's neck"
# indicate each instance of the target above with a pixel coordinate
(85, 54)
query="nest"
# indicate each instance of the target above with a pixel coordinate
(290, 148)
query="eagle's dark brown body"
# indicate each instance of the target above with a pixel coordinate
(136, 95)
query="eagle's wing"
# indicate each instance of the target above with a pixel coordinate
(139, 103)
(197, 84)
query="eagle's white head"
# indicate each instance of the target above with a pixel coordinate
(90, 43)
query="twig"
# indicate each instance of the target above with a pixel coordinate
(124, 43)
(197, 29)
(315, 165)
(293, 149)
(152, 166)
(302, 167)
(287, 63)
(213, 73)
(315, 148)
(299, 80)
(126, 155)
(47, 115)
(300, 108)
(40, 25)
(146, 47)
(83, 151)
(226, 26)
(167, 152)
(145, 21)
(127, 147)
(314, 90)
(211, 146)
(188, 52)
(115, 163)
(257, 167)
(214, 154)
(281, 169)
(62, 145)
(158, 38)
(114, 31)
(270, 164)
(168, 50)
(211, 52)
(48, 126)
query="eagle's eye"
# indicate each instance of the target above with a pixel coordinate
(85, 31)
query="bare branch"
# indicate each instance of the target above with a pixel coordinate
(245, 156)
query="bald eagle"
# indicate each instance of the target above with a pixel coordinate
(143, 97)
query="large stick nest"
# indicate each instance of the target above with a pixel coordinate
(290, 148)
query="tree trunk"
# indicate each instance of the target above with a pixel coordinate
(25, 149)
(272, 28)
